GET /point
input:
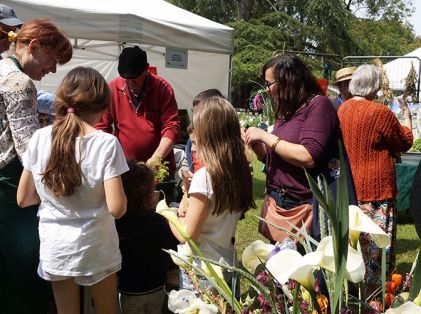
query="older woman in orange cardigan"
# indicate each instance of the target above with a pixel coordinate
(372, 136)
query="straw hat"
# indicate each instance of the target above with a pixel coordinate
(344, 74)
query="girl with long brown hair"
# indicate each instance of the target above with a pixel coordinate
(221, 191)
(75, 172)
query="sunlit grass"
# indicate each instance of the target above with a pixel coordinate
(407, 247)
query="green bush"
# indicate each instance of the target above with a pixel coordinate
(416, 146)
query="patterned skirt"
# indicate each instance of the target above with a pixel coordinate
(383, 213)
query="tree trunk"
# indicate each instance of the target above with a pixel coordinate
(244, 9)
(241, 96)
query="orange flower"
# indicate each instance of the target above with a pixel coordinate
(390, 287)
(323, 302)
(397, 279)
(388, 299)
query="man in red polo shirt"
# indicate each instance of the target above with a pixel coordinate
(143, 114)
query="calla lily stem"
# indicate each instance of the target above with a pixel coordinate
(295, 302)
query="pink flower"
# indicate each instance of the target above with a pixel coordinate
(263, 278)
(257, 102)
(264, 304)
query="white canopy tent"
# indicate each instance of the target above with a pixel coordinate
(397, 72)
(100, 28)
(398, 69)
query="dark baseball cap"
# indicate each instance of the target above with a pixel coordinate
(132, 62)
(8, 16)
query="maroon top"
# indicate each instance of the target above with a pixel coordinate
(316, 127)
(140, 131)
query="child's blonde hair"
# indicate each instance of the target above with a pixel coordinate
(221, 149)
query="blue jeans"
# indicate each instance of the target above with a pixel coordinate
(285, 201)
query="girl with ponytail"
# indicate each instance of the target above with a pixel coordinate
(74, 171)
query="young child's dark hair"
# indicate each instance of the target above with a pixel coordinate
(208, 93)
(139, 186)
(203, 95)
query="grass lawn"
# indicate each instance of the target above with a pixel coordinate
(407, 239)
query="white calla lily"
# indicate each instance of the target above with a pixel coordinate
(287, 292)
(407, 307)
(355, 268)
(216, 268)
(185, 252)
(162, 204)
(186, 301)
(289, 264)
(255, 254)
(199, 306)
(171, 215)
(360, 222)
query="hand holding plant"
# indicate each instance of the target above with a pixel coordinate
(161, 169)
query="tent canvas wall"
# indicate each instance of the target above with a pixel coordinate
(100, 28)
(398, 69)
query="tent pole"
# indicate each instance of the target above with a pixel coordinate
(229, 96)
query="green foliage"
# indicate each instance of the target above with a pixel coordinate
(416, 146)
(368, 35)
(248, 119)
(254, 43)
(382, 9)
(220, 11)
(160, 169)
(163, 172)
(416, 281)
(341, 28)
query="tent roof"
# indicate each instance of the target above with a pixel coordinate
(398, 69)
(154, 22)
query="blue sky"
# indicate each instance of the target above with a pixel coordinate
(415, 20)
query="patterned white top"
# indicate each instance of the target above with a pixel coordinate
(18, 111)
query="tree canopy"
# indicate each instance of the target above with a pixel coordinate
(323, 31)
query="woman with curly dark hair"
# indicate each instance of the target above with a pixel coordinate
(304, 136)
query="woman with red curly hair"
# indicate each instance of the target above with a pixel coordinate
(40, 46)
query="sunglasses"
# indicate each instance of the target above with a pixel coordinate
(269, 84)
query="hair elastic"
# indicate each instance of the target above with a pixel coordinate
(70, 110)
(12, 36)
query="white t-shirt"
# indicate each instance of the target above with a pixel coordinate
(217, 231)
(77, 233)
